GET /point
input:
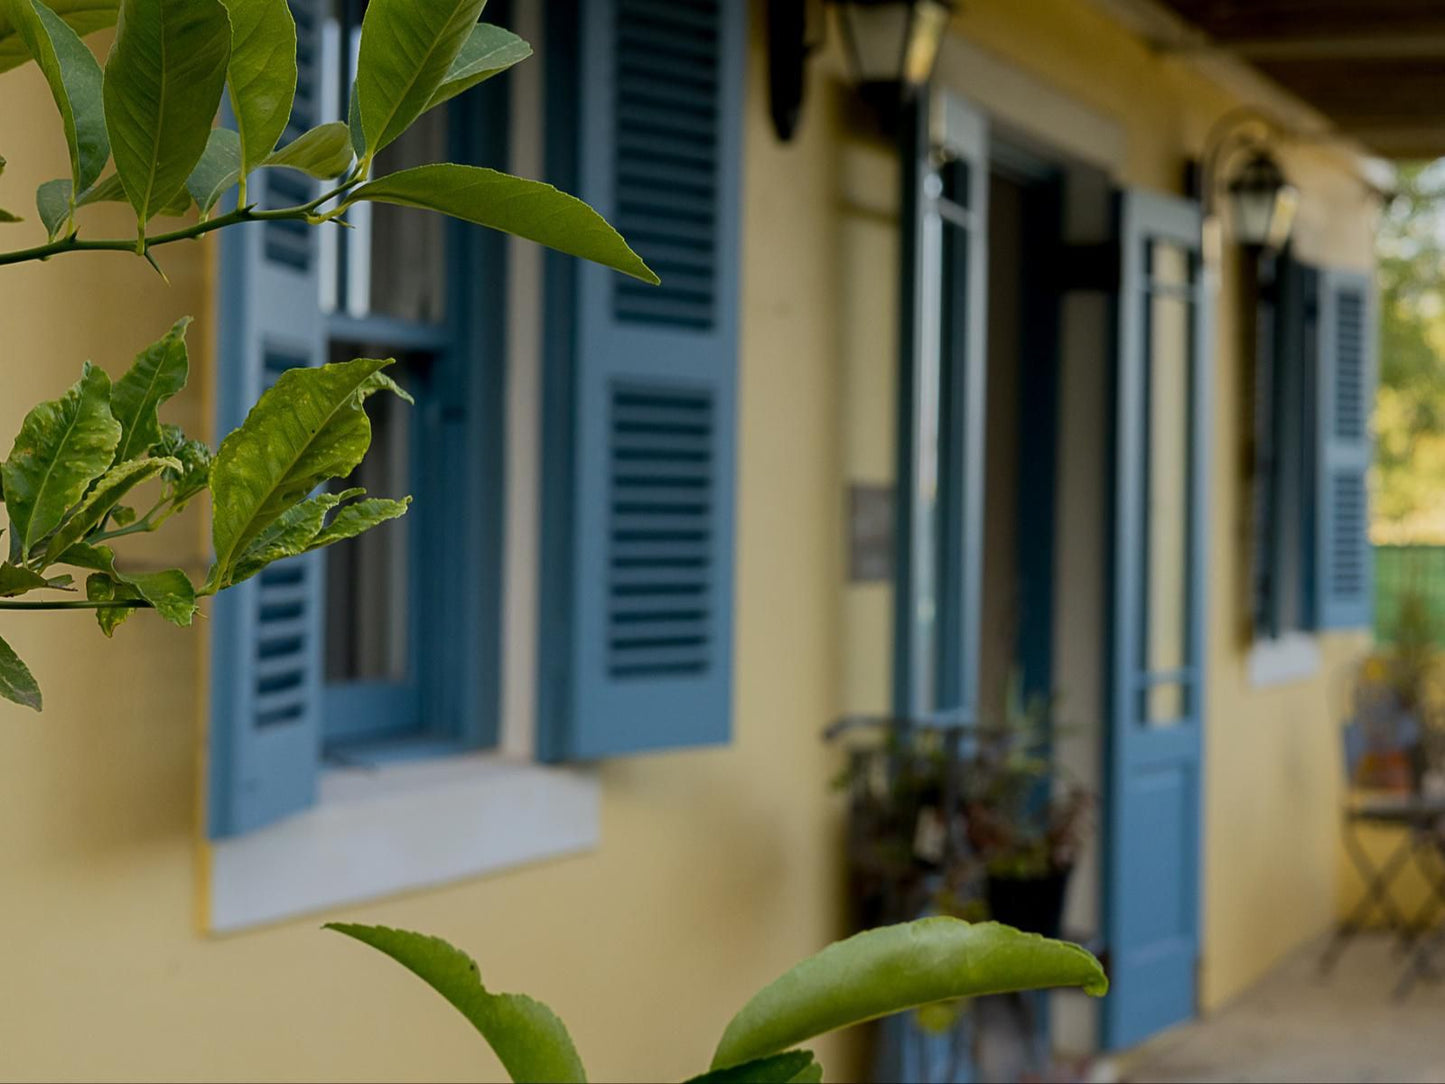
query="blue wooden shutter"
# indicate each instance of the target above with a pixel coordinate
(642, 382)
(1346, 384)
(266, 634)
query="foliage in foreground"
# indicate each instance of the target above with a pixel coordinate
(139, 131)
(870, 975)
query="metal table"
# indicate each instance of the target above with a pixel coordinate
(1421, 844)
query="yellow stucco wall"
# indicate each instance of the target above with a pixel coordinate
(717, 868)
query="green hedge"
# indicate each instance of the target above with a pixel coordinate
(1402, 569)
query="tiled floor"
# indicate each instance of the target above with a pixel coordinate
(1297, 1026)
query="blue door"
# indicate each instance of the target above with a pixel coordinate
(1156, 681)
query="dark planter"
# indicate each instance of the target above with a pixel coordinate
(1031, 904)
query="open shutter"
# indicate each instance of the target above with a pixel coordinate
(266, 633)
(642, 382)
(1346, 384)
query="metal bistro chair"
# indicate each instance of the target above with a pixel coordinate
(1420, 818)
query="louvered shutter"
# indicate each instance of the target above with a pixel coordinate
(1346, 386)
(642, 380)
(266, 633)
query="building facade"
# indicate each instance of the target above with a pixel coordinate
(569, 716)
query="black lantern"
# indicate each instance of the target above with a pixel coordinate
(893, 44)
(1262, 202)
(892, 47)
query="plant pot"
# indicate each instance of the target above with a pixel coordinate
(1031, 904)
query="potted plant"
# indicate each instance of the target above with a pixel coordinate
(1026, 822)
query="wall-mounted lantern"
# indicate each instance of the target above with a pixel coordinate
(892, 47)
(1262, 202)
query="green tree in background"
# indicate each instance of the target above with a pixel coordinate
(1410, 409)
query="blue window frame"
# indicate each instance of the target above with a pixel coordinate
(399, 639)
(328, 654)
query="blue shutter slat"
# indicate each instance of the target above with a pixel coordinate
(266, 669)
(1346, 383)
(642, 385)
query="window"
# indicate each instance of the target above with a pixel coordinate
(355, 692)
(396, 637)
(1312, 389)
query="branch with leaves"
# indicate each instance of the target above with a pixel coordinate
(872, 974)
(140, 130)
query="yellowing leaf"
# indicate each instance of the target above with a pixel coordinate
(62, 447)
(309, 427)
(17, 684)
(158, 372)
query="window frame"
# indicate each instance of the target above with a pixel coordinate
(455, 525)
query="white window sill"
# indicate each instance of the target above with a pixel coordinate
(1295, 656)
(378, 831)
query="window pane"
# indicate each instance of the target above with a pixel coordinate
(1168, 264)
(1165, 704)
(408, 247)
(1166, 518)
(367, 579)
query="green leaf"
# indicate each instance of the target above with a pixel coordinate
(532, 1044)
(15, 580)
(529, 209)
(107, 492)
(353, 519)
(888, 970)
(775, 1069)
(218, 169)
(170, 593)
(52, 201)
(353, 122)
(106, 190)
(75, 83)
(62, 447)
(489, 50)
(324, 152)
(289, 535)
(407, 48)
(163, 83)
(307, 428)
(102, 588)
(82, 16)
(261, 74)
(8, 218)
(17, 684)
(158, 372)
(194, 474)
